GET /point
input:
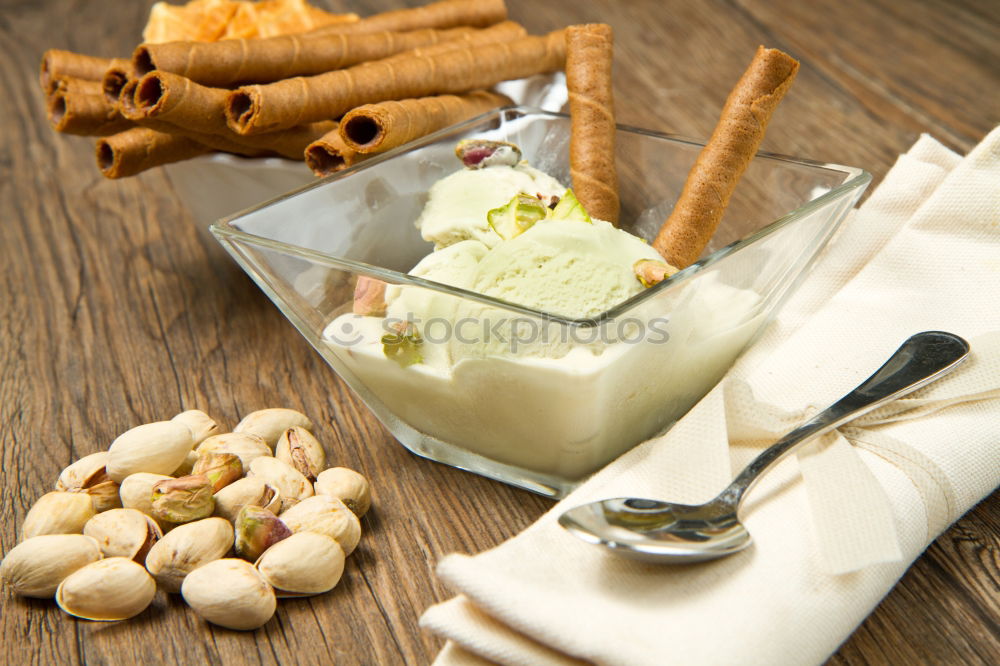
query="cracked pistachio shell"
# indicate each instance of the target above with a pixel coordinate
(257, 530)
(220, 468)
(136, 492)
(156, 448)
(36, 566)
(201, 425)
(86, 472)
(249, 491)
(58, 513)
(325, 515)
(289, 481)
(270, 423)
(124, 533)
(301, 450)
(303, 564)
(104, 496)
(112, 589)
(187, 547)
(231, 594)
(346, 485)
(183, 500)
(246, 446)
(186, 466)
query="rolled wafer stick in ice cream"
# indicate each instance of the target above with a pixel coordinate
(725, 157)
(56, 62)
(375, 128)
(255, 109)
(592, 119)
(85, 114)
(239, 61)
(138, 149)
(329, 154)
(442, 14)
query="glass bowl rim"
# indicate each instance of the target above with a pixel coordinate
(224, 232)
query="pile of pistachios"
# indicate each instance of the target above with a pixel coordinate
(231, 521)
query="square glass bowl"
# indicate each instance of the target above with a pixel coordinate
(528, 397)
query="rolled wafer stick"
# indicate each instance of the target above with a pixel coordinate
(140, 148)
(255, 109)
(118, 73)
(180, 101)
(73, 86)
(442, 14)
(56, 62)
(329, 154)
(592, 119)
(725, 157)
(290, 143)
(239, 61)
(84, 114)
(506, 31)
(375, 128)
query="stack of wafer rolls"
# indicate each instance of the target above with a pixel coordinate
(267, 108)
(721, 163)
(331, 96)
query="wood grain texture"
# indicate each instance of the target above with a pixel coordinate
(115, 310)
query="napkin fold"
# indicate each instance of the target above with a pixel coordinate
(835, 526)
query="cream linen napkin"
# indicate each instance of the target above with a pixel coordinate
(835, 527)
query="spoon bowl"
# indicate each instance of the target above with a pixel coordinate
(664, 532)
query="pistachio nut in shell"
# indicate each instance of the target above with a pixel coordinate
(58, 513)
(136, 492)
(220, 468)
(257, 530)
(187, 547)
(111, 589)
(184, 499)
(105, 496)
(231, 594)
(36, 566)
(270, 423)
(249, 491)
(325, 515)
(243, 444)
(304, 563)
(185, 467)
(301, 450)
(124, 533)
(201, 425)
(289, 481)
(156, 448)
(348, 486)
(85, 472)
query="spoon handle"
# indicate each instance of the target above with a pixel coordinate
(919, 361)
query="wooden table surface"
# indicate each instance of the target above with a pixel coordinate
(116, 310)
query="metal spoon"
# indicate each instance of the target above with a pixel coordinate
(662, 532)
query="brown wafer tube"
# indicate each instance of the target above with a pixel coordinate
(725, 157)
(265, 108)
(180, 101)
(375, 128)
(240, 61)
(329, 154)
(506, 31)
(592, 119)
(118, 73)
(289, 143)
(56, 62)
(73, 86)
(84, 114)
(138, 149)
(443, 14)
